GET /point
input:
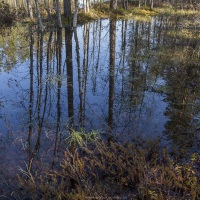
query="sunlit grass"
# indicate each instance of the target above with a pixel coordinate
(102, 10)
(176, 12)
(140, 14)
(185, 34)
(144, 11)
(142, 18)
(81, 138)
(92, 15)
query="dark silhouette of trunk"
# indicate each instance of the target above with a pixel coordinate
(40, 24)
(95, 70)
(29, 9)
(58, 13)
(49, 53)
(99, 45)
(67, 8)
(113, 4)
(124, 4)
(40, 116)
(111, 71)
(70, 94)
(85, 64)
(123, 50)
(59, 84)
(40, 87)
(151, 4)
(149, 35)
(79, 78)
(31, 99)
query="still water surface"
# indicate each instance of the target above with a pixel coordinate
(124, 78)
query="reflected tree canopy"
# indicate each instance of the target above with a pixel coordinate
(125, 77)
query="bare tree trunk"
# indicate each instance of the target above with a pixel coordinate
(85, 65)
(58, 14)
(59, 84)
(31, 95)
(139, 3)
(30, 10)
(40, 24)
(151, 4)
(69, 65)
(87, 5)
(84, 5)
(111, 71)
(79, 78)
(67, 8)
(75, 14)
(113, 4)
(40, 117)
(123, 3)
(126, 4)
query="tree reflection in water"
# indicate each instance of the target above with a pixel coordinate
(124, 77)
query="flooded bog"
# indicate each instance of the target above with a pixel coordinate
(120, 78)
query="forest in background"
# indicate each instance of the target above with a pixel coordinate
(66, 11)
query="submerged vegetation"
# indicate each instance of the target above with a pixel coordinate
(140, 170)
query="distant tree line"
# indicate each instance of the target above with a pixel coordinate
(69, 8)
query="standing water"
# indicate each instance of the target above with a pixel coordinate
(121, 78)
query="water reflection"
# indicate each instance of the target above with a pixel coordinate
(111, 71)
(128, 77)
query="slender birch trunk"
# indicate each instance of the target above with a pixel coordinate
(29, 8)
(75, 14)
(40, 24)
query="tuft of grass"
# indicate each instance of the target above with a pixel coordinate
(92, 15)
(144, 11)
(141, 14)
(142, 18)
(81, 138)
(176, 12)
